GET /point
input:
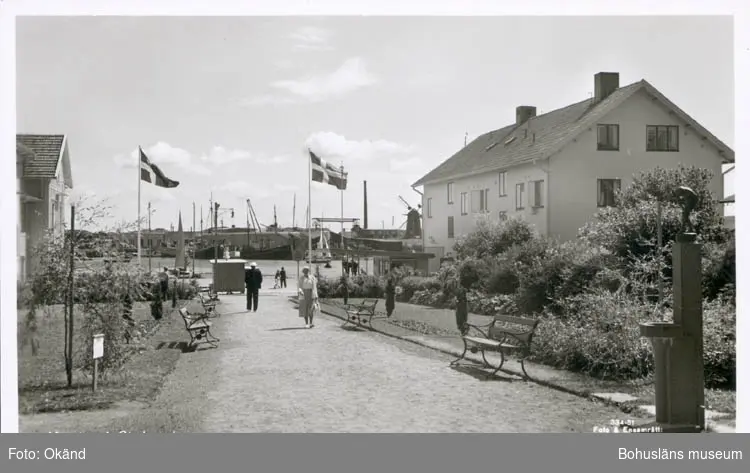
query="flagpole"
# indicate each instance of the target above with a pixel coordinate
(309, 205)
(138, 170)
(150, 249)
(192, 238)
(342, 214)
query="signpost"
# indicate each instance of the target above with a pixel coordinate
(98, 353)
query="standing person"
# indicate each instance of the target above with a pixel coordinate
(282, 277)
(276, 279)
(164, 283)
(253, 282)
(307, 289)
(390, 296)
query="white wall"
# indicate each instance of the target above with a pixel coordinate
(574, 172)
(435, 229)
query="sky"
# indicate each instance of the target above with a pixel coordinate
(229, 105)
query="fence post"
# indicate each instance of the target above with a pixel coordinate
(71, 299)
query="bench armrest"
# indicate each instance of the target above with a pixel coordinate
(476, 328)
(509, 337)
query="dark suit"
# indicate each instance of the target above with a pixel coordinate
(253, 282)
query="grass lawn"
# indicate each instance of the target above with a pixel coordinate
(42, 383)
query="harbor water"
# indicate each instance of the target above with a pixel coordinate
(267, 267)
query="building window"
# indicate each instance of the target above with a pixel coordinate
(501, 184)
(608, 137)
(662, 138)
(503, 215)
(519, 196)
(464, 203)
(479, 200)
(450, 192)
(605, 192)
(536, 194)
(429, 207)
(450, 227)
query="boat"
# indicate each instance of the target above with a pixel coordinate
(179, 262)
(320, 254)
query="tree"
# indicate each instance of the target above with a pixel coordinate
(629, 229)
(101, 294)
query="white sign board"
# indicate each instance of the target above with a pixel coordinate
(98, 345)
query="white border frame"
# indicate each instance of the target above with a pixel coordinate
(10, 8)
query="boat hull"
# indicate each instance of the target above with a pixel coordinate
(278, 253)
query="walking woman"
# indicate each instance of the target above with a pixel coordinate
(307, 289)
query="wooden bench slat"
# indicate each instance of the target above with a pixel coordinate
(484, 341)
(516, 320)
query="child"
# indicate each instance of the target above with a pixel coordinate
(276, 279)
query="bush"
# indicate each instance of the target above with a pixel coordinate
(630, 229)
(719, 269)
(473, 273)
(503, 278)
(411, 284)
(599, 336)
(492, 238)
(719, 342)
(186, 290)
(358, 286)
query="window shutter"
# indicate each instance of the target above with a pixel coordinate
(601, 134)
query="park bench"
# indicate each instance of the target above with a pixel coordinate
(361, 313)
(505, 334)
(199, 328)
(209, 306)
(210, 294)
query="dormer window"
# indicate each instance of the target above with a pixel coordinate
(607, 137)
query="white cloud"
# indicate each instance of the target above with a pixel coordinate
(156, 195)
(169, 159)
(267, 99)
(352, 75)
(400, 164)
(329, 145)
(220, 155)
(283, 64)
(244, 190)
(311, 38)
(279, 159)
(285, 187)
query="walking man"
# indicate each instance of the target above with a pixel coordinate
(164, 283)
(253, 282)
(282, 277)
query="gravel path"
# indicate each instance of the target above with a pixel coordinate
(272, 376)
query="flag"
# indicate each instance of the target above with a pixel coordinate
(151, 173)
(327, 173)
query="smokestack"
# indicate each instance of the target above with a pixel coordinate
(365, 227)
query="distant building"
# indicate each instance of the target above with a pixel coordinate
(556, 169)
(43, 182)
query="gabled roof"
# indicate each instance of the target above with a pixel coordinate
(48, 153)
(545, 135)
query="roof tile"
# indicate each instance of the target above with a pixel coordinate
(536, 139)
(46, 149)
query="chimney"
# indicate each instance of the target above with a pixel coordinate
(524, 113)
(365, 205)
(604, 84)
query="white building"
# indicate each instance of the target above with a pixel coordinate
(43, 182)
(555, 170)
